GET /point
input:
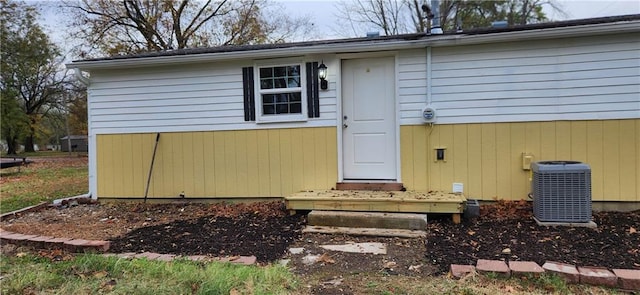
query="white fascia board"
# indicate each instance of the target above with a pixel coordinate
(364, 46)
(249, 54)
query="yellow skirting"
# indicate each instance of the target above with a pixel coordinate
(487, 158)
(218, 164)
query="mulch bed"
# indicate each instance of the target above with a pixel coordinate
(266, 230)
(613, 244)
(266, 237)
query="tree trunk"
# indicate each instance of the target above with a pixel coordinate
(29, 141)
(12, 143)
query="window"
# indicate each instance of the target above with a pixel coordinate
(281, 92)
(280, 95)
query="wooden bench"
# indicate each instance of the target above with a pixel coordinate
(9, 161)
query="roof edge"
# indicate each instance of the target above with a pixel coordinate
(586, 27)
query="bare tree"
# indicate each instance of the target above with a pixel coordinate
(386, 15)
(265, 24)
(406, 16)
(133, 26)
(418, 17)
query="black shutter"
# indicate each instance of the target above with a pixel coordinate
(249, 94)
(313, 90)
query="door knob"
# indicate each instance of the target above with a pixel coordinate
(345, 125)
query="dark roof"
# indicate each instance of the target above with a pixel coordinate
(405, 37)
(73, 137)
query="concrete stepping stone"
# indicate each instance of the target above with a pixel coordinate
(369, 248)
(310, 259)
(295, 251)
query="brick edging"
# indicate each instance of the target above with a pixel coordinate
(46, 242)
(98, 246)
(626, 279)
(33, 208)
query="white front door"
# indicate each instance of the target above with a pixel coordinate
(369, 118)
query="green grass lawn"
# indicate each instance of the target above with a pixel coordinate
(40, 182)
(24, 273)
(95, 274)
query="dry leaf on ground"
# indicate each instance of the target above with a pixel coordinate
(326, 259)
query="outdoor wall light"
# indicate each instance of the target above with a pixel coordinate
(322, 74)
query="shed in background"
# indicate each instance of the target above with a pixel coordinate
(79, 143)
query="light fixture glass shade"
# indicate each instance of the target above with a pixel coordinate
(322, 71)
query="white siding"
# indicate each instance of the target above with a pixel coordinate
(189, 98)
(412, 84)
(569, 79)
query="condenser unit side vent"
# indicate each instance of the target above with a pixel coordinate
(561, 191)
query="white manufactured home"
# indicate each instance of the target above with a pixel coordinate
(467, 111)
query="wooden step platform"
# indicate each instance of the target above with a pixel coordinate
(378, 201)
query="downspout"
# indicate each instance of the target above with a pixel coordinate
(429, 112)
(428, 75)
(429, 107)
(92, 141)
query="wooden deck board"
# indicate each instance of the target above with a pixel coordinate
(377, 201)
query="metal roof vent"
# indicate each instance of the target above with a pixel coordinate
(561, 191)
(499, 24)
(373, 34)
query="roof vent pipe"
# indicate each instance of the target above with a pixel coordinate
(435, 22)
(499, 24)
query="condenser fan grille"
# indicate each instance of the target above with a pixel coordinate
(561, 191)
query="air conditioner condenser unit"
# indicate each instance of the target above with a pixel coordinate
(561, 191)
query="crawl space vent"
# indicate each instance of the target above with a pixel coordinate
(561, 191)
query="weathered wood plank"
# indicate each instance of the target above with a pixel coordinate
(434, 202)
(375, 186)
(379, 232)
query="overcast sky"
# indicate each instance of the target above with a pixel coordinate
(323, 13)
